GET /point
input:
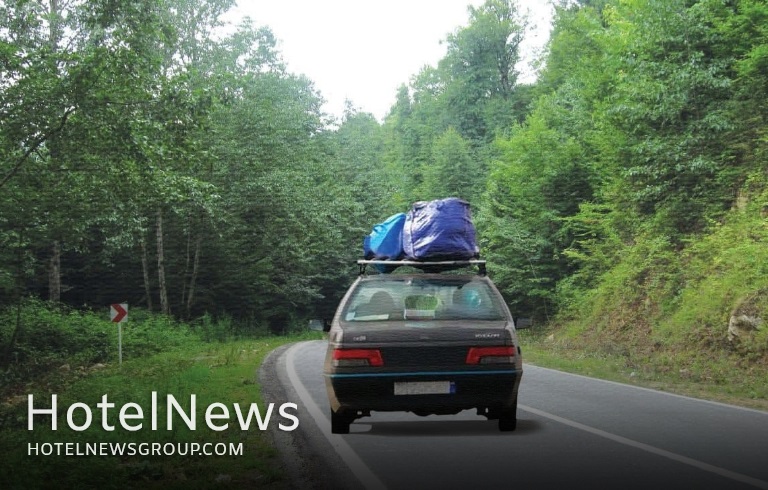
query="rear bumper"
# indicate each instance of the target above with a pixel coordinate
(468, 389)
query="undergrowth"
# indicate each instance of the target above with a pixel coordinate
(661, 314)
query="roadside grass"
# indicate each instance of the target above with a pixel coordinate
(217, 372)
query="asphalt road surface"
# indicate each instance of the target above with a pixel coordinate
(573, 432)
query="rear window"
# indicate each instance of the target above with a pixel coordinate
(423, 299)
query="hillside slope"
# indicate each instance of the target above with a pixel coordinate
(692, 315)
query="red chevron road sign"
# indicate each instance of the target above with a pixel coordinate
(118, 312)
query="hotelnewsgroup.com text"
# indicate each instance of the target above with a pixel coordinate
(134, 449)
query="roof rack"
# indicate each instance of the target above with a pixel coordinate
(431, 266)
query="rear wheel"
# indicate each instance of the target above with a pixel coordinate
(340, 422)
(508, 418)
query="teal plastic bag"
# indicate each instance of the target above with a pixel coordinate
(385, 242)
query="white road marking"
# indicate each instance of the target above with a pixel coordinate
(651, 390)
(347, 454)
(651, 449)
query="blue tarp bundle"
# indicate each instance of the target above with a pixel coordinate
(440, 230)
(385, 242)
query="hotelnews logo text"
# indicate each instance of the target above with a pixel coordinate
(131, 417)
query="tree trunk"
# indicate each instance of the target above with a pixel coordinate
(145, 271)
(5, 360)
(54, 265)
(54, 273)
(187, 272)
(195, 268)
(54, 24)
(165, 308)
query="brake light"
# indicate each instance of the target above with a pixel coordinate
(491, 355)
(357, 357)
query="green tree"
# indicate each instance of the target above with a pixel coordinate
(58, 100)
(480, 68)
(672, 103)
(453, 169)
(469, 98)
(540, 179)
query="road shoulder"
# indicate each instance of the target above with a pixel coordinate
(307, 458)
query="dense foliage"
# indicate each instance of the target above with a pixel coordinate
(147, 157)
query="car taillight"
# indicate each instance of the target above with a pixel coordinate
(357, 357)
(491, 355)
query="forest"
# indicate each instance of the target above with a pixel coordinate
(150, 155)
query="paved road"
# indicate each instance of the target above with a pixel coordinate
(573, 432)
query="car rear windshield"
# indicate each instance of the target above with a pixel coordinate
(423, 299)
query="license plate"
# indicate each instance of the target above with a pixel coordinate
(424, 388)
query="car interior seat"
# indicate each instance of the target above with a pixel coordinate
(380, 304)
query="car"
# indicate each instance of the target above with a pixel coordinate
(432, 340)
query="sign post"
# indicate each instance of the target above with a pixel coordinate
(118, 313)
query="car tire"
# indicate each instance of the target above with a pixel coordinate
(340, 422)
(508, 419)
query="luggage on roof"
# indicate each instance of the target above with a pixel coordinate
(434, 234)
(440, 230)
(385, 242)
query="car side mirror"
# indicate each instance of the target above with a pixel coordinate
(319, 325)
(522, 323)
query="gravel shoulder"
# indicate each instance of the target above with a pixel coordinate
(308, 459)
